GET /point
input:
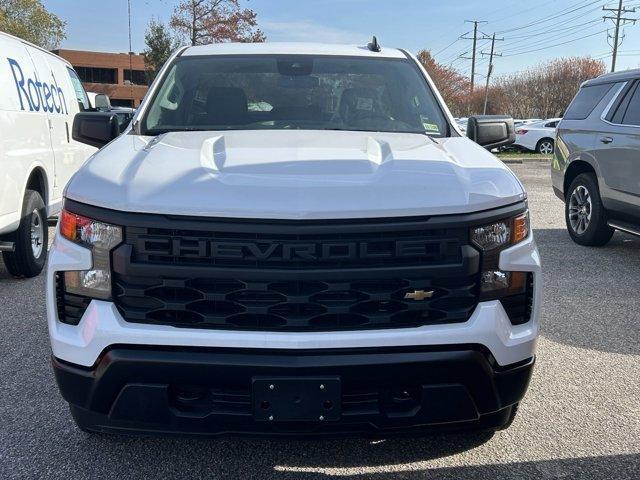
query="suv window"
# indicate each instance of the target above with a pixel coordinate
(309, 92)
(586, 100)
(632, 115)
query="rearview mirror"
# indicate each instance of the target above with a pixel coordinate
(299, 82)
(95, 128)
(491, 131)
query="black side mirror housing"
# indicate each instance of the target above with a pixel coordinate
(95, 128)
(491, 131)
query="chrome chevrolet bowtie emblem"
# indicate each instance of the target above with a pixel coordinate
(418, 295)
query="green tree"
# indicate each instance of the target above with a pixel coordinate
(160, 43)
(29, 20)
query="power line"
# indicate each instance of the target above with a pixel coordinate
(516, 48)
(556, 45)
(566, 11)
(450, 45)
(549, 29)
(453, 58)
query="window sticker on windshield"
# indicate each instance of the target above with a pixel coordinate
(431, 127)
(365, 103)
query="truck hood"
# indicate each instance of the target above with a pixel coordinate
(282, 174)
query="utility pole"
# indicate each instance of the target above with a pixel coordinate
(490, 69)
(618, 21)
(473, 55)
(130, 56)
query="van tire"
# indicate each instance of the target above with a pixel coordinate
(597, 232)
(23, 261)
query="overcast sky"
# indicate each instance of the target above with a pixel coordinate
(532, 30)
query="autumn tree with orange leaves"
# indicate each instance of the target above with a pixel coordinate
(453, 86)
(215, 21)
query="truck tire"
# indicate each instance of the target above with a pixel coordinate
(545, 146)
(585, 215)
(31, 239)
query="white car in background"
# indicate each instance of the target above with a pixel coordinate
(519, 123)
(538, 137)
(462, 123)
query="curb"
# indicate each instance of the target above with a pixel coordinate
(524, 160)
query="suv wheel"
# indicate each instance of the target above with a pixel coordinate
(31, 239)
(585, 214)
(545, 146)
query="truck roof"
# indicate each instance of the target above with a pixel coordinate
(18, 39)
(276, 48)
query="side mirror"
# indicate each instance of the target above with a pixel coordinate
(95, 128)
(102, 102)
(491, 131)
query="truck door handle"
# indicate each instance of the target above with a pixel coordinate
(606, 140)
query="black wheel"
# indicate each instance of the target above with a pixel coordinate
(31, 239)
(584, 213)
(545, 146)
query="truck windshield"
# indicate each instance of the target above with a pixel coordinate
(251, 92)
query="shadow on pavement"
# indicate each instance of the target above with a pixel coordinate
(618, 467)
(591, 297)
(352, 458)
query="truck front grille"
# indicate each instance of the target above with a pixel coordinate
(294, 305)
(295, 276)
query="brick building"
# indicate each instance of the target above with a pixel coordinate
(111, 74)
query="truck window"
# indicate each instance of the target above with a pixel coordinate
(81, 95)
(586, 100)
(295, 92)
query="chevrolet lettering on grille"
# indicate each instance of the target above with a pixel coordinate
(186, 247)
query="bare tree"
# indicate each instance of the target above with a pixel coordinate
(214, 21)
(545, 91)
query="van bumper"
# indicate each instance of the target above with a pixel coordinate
(380, 392)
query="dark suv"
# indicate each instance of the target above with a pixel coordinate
(596, 167)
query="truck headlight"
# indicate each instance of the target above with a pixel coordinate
(491, 240)
(100, 238)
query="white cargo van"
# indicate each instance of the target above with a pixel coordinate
(39, 95)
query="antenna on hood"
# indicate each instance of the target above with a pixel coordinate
(373, 45)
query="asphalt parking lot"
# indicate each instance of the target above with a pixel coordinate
(580, 419)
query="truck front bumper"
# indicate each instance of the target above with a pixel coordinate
(212, 391)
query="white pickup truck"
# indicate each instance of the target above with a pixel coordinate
(293, 239)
